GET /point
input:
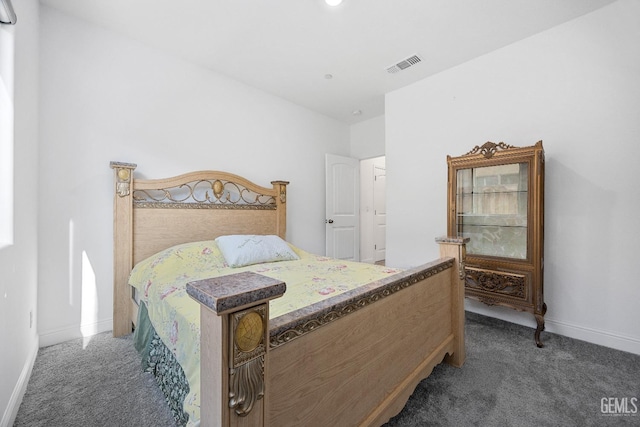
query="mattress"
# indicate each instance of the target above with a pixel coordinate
(175, 317)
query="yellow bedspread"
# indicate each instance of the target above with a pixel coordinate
(161, 281)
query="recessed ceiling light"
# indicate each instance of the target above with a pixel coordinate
(356, 112)
(333, 2)
(328, 76)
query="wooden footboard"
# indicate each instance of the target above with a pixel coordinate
(354, 364)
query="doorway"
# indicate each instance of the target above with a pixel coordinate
(373, 211)
(356, 214)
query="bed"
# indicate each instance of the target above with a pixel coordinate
(351, 358)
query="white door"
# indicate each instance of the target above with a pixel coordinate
(342, 207)
(379, 213)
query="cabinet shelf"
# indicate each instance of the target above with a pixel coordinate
(488, 220)
(492, 225)
(480, 193)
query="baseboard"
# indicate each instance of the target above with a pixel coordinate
(56, 336)
(595, 336)
(10, 413)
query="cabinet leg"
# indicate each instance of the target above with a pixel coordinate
(540, 328)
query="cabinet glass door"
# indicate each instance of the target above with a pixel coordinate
(492, 209)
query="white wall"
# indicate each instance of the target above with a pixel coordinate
(367, 138)
(18, 262)
(577, 88)
(103, 98)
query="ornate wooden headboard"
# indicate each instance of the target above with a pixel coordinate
(154, 214)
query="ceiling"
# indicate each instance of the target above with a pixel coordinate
(290, 47)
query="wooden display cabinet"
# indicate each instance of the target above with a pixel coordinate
(496, 198)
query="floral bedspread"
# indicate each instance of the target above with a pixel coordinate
(161, 283)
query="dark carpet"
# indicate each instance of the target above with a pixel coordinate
(506, 381)
(101, 384)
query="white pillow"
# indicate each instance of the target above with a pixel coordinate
(246, 249)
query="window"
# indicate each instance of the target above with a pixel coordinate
(6, 134)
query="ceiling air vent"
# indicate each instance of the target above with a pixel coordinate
(404, 64)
